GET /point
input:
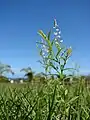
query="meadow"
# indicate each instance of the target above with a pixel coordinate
(45, 101)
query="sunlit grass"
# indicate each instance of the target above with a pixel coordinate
(48, 101)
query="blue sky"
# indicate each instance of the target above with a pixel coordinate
(20, 21)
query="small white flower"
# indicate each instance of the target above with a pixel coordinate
(59, 36)
(55, 33)
(59, 57)
(44, 46)
(48, 61)
(56, 43)
(43, 53)
(59, 32)
(54, 27)
(61, 41)
(46, 50)
(44, 56)
(55, 39)
(57, 29)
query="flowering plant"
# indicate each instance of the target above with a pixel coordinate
(54, 55)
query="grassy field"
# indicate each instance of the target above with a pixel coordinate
(48, 101)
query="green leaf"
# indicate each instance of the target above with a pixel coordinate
(66, 92)
(41, 52)
(58, 52)
(49, 35)
(69, 69)
(73, 99)
(63, 58)
(52, 42)
(41, 43)
(40, 32)
(86, 113)
(40, 61)
(46, 39)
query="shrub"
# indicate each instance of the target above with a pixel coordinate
(3, 79)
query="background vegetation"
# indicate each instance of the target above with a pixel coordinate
(45, 101)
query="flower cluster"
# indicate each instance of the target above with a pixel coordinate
(57, 33)
(44, 49)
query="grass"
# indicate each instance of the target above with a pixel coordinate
(48, 101)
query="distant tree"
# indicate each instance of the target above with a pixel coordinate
(28, 72)
(4, 68)
(3, 79)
